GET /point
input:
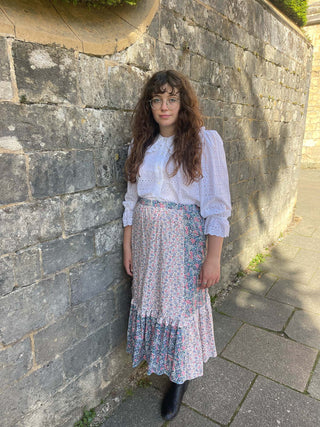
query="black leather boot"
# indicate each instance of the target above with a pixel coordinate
(172, 400)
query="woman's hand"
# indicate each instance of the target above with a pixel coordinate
(127, 260)
(209, 273)
(127, 252)
(210, 270)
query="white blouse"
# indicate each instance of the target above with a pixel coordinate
(210, 193)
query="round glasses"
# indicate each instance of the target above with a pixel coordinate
(156, 103)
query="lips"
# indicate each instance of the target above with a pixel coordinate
(164, 116)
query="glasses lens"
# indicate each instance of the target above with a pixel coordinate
(156, 103)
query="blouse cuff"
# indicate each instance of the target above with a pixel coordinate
(127, 217)
(217, 226)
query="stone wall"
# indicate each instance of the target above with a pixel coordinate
(311, 143)
(65, 127)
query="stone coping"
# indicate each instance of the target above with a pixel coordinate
(99, 32)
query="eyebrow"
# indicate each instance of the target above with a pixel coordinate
(170, 94)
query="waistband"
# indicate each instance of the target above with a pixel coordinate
(168, 205)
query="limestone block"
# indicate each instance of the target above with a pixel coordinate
(24, 396)
(32, 307)
(142, 53)
(167, 57)
(93, 81)
(80, 322)
(61, 253)
(83, 354)
(211, 108)
(6, 275)
(124, 85)
(33, 127)
(201, 68)
(97, 128)
(44, 73)
(108, 237)
(27, 266)
(94, 277)
(109, 164)
(13, 180)
(233, 130)
(175, 5)
(61, 172)
(6, 92)
(123, 297)
(68, 403)
(178, 32)
(214, 123)
(154, 27)
(91, 209)
(15, 362)
(28, 224)
(118, 330)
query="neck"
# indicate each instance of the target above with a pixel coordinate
(166, 132)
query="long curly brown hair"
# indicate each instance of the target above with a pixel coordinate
(187, 143)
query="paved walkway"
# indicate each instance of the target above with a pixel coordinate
(267, 373)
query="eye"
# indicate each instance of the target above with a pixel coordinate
(173, 100)
(155, 101)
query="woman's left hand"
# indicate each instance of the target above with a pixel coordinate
(209, 273)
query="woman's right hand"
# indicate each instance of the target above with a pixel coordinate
(127, 252)
(127, 260)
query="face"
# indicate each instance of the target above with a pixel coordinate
(165, 109)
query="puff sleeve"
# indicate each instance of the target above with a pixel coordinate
(215, 203)
(130, 200)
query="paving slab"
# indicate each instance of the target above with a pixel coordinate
(188, 417)
(258, 284)
(304, 242)
(271, 355)
(256, 310)
(305, 228)
(304, 327)
(316, 234)
(289, 268)
(218, 393)
(160, 382)
(315, 280)
(140, 409)
(296, 294)
(283, 251)
(224, 329)
(314, 386)
(308, 258)
(269, 404)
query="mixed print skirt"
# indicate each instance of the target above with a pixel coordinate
(170, 321)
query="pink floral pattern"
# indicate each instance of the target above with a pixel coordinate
(170, 322)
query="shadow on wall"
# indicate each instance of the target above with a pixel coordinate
(263, 107)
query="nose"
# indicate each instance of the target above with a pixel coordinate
(164, 105)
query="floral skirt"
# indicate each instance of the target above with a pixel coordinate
(170, 321)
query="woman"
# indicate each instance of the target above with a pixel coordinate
(178, 192)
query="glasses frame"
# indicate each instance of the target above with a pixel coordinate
(169, 106)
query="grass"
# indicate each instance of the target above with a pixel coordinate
(87, 418)
(257, 260)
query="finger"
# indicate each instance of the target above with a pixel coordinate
(200, 276)
(204, 284)
(131, 269)
(128, 269)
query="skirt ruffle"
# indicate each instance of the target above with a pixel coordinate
(177, 349)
